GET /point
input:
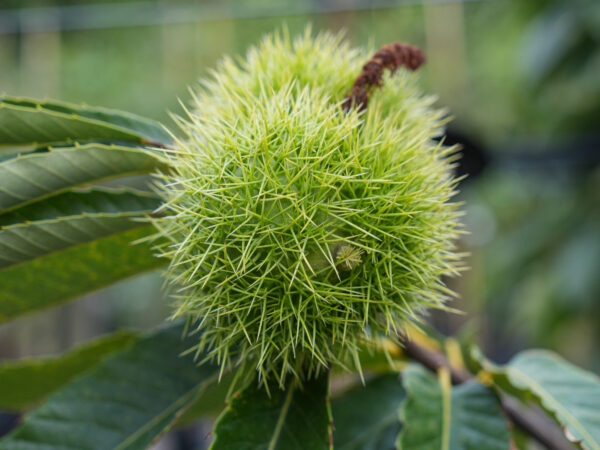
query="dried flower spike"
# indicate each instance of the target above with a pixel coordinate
(297, 230)
(390, 56)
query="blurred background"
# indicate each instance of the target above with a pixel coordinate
(520, 78)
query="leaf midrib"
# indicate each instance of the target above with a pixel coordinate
(137, 151)
(178, 404)
(83, 215)
(74, 116)
(282, 416)
(131, 215)
(446, 391)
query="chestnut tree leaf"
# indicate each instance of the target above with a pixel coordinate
(27, 381)
(62, 247)
(437, 416)
(294, 419)
(126, 402)
(366, 417)
(34, 176)
(29, 123)
(568, 393)
(80, 217)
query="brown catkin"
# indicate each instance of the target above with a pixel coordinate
(390, 56)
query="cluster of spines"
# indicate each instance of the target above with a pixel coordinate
(296, 230)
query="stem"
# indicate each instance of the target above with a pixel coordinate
(528, 421)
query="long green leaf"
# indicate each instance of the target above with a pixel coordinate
(37, 175)
(366, 417)
(436, 416)
(124, 403)
(62, 247)
(296, 418)
(86, 201)
(569, 394)
(26, 382)
(89, 216)
(66, 275)
(26, 122)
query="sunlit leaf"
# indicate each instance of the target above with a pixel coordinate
(27, 122)
(57, 249)
(28, 178)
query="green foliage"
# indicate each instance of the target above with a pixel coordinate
(75, 204)
(210, 403)
(65, 275)
(26, 382)
(438, 416)
(126, 402)
(569, 394)
(366, 417)
(27, 122)
(58, 242)
(89, 216)
(69, 244)
(295, 230)
(294, 419)
(35, 176)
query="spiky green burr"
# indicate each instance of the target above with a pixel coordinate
(295, 230)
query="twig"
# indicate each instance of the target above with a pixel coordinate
(530, 422)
